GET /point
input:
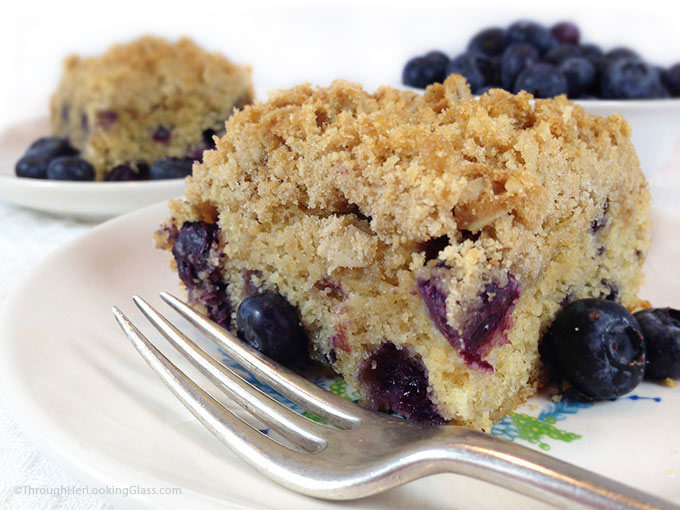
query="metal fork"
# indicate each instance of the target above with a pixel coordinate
(360, 452)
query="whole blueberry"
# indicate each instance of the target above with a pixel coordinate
(489, 42)
(515, 59)
(661, 329)
(127, 173)
(489, 67)
(420, 72)
(591, 51)
(566, 32)
(438, 58)
(38, 156)
(170, 168)
(661, 71)
(51, 147)
(493, 72)
(621, 52)
(531, 33)
(271, 325)
(597, 346)
(542, 80)
(33, 166)
(595, 56)
(631, 78)
(70, 168)
(561, 53)
(671, 78)
(475, 67)
(580, 75)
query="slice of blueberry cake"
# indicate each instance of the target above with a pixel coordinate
(144, 101)
(424, 241)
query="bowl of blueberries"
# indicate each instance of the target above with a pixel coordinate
(550, 61)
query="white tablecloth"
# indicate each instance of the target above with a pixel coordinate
(25, 238)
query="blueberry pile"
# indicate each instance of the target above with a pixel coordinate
(546, 63)
(604, 352)
(55, 159)
(44, 154)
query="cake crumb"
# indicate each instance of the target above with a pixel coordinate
(671, 383)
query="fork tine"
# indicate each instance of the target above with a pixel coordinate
(285, 421)
(332, 408)
(241, 438)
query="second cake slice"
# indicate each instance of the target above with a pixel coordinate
(146, 100)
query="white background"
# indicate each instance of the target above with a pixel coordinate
(290, 42)
(286, 44)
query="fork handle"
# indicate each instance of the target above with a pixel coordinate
(535, 474)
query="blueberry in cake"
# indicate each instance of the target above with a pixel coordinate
(141, 102)
(425, 242)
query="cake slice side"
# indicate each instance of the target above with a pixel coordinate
(425, 241)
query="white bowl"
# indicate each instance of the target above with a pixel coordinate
(655, 125)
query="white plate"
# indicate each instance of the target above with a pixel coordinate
(83, 393)
(92, 201)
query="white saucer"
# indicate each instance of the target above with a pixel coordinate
(91, 201)
(84, 395)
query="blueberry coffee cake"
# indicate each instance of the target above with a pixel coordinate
(421, 243)
(143, 102)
